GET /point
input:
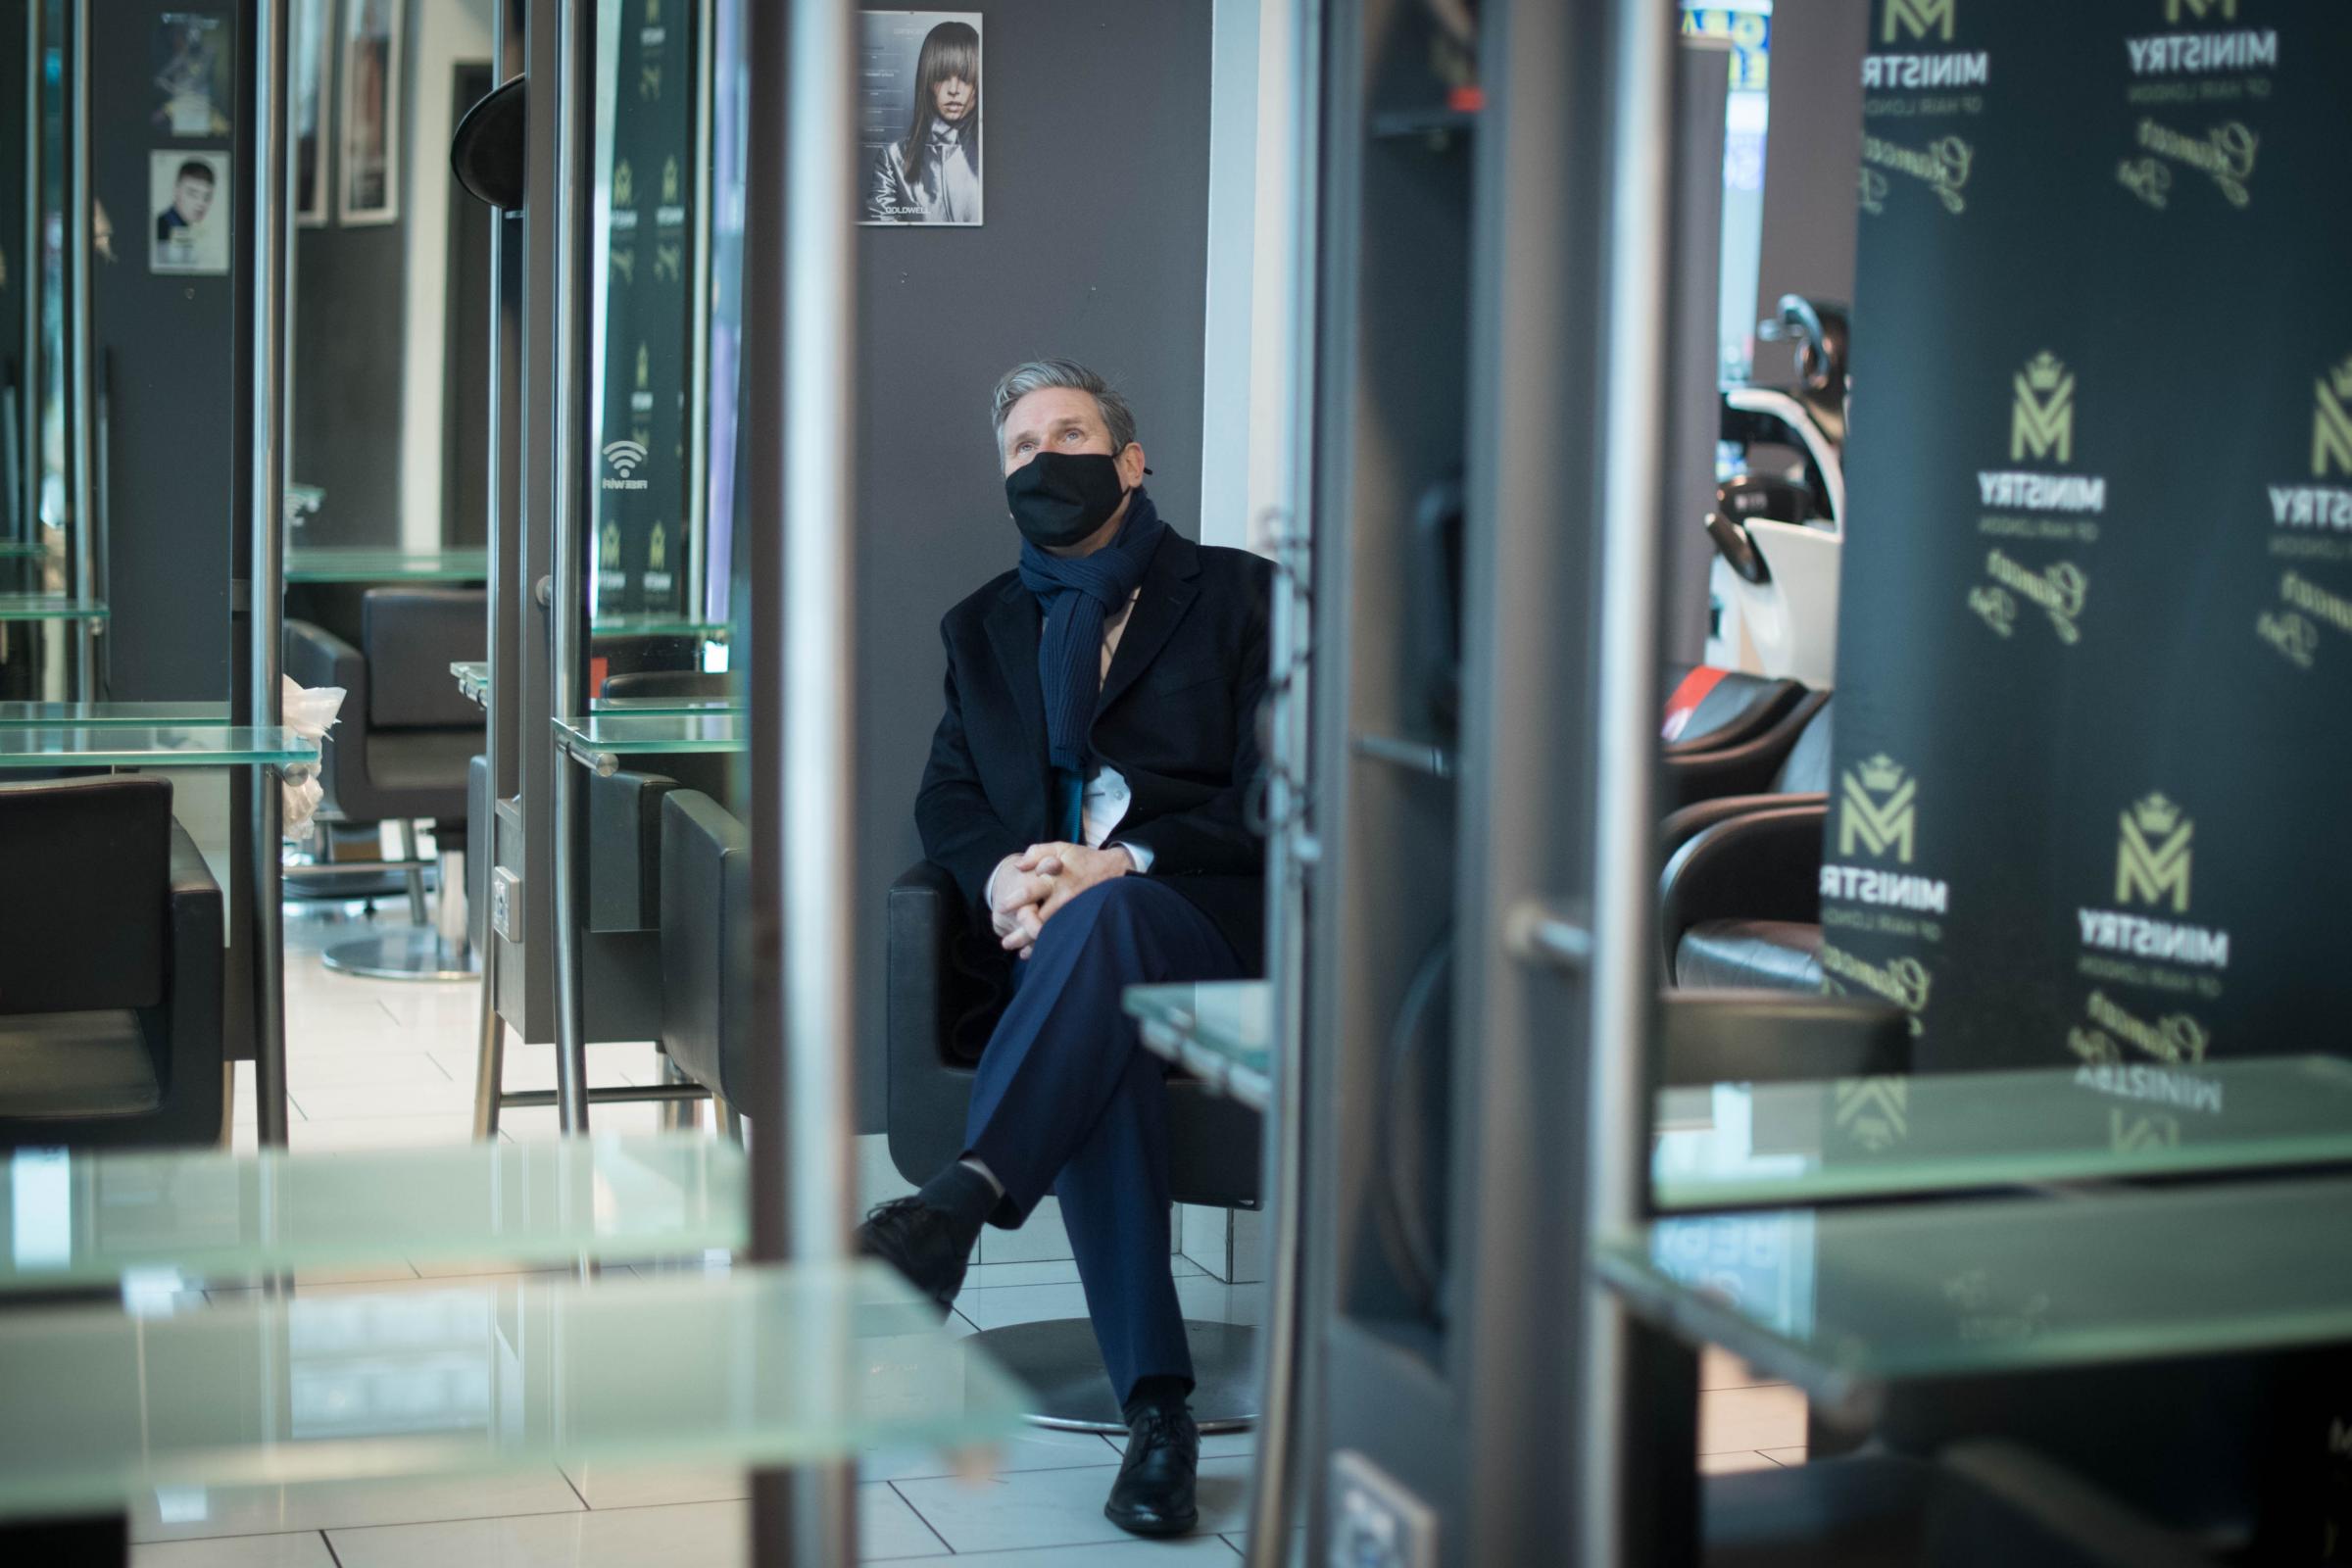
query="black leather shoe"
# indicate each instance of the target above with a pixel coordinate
(1153, 1495)
(917, 1241)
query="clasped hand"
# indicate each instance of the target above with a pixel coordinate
(1031, 888)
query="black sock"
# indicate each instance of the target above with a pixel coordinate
(1157, 1392)
(965, 1197)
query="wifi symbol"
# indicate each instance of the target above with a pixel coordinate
(625, 455)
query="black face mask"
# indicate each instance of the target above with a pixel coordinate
(1058, 497)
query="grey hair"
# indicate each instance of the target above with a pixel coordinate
(1035, 375)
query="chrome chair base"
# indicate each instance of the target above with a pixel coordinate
(409, 954)
(1062, 1368)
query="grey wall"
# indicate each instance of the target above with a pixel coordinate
(1095, 125)
(1810, 155)
(163, 345)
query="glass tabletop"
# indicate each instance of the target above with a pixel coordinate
(113, 715)
(89, 1217)
(384, 563)
(1809, 1142)
(647, 625)
(600, 740)
(473, 679)
(757, 1366)
(1844, 1300)
(154, 746)
(665, 705)
(50, 606)
(22, 549)
(1220, 1033)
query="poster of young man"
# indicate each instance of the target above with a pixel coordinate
(190, 50)
(188, 193)
(919, 117)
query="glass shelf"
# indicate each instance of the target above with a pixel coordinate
(22, 549)
(1841, 1301)
(50, 606)
(89, 1217)
(109, 716)
(1220, 1033)
(154, 746)
(379, 563)
(599, 742)
(637, 624)
(667, 705)
(473, 679)
(1812, 1143)
(761, 1366)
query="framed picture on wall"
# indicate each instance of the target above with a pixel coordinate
(371, 116)
(192, 68)
(313, 68)
(918, 117)
(188, 194)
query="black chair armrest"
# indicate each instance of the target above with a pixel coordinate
(317, 657)
(1714, 1037)
(1761, 865)
(1744, 768)
(183, 1033)
(1687, 822)
(934, 1006)
(705, 881)
(625, 850)
(1997, 1502)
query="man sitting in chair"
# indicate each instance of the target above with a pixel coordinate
(1085, 789)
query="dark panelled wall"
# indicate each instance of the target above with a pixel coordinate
(1810, 155)
(1095, 138)
(163, 347)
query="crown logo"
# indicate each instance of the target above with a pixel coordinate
(1881, 773)
(2156, 815)
(657, 550)
(2044, 372)
(2340, 378)
(2042, 422)
(669, 180)
(644, 367)
(1878, 811)
(624, 184)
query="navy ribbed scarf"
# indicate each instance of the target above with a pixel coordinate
(1077, 595)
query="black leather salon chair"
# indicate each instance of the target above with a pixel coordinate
(1740, 901)
(110, 968)
(944, 994)
(1739, 738)
(702, 883)
(400, 750)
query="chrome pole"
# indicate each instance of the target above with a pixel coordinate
(81, 396)
(33, 263)
(271, 208)
(818, 647)
(1633, 430)
(1288, 788)
(697, 397)
(574, 194)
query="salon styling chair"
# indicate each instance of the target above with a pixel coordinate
(399, 753)
(944, 995)
(1740, 901)
(110, 969)
(702, 882)
(1740, 738)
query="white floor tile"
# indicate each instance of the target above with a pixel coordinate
(433, 1097)
(710, 1534)
(534, 1066)
(306, 1549)
(1719, 1368)
(1724, 1464)
(656, 1485)
(380, 1132)
(539, 1123)
(1786, 1456)
(198, 1514)
(997, 1306)
(1033, 1448)
(1216, 1301)
(1769, 1417)
(314, 1071)
(994, 1276)
(1217, 1444)
(1056, 1507)
(1041, 1238)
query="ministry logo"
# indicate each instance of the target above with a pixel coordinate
(2042, 423)
(1920, 18)
(2332, 425)
(2152, 857)
(1876, 810)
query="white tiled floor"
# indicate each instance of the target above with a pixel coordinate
(372, 1064)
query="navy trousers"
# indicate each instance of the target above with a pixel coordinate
(1067, 1100)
